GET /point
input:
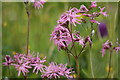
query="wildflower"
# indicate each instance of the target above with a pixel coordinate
(38, 3)
(22, 67)
(88, 15)
(70, 16)
(78, 38)
(93, 4)
(101, 11)
(61, 37)
(94, 21)
(107, 45)
(117, 49)
(83, 9)
(64, 71)
(38, 65)
(21, 63)
(8, 60)
(103, 30)
(56, 71)
(19, 58)
(51, 71)
(95, 14)
(87, 39)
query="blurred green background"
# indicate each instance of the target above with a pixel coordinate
(42, 23)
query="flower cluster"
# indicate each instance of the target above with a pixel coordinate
(23, 62)
(75, 16)
(61, 37)
(109, 46)
(70, 17)
(57, 71)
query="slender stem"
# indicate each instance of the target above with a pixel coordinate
(91, 31)
(91, 65)
(81, 51)
(68, 59)
(77, 67)
(25, 76)
(69, 52)
(28, 30)
(9, 70)
(110, 59)
(92, 72)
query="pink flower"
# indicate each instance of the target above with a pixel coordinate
(103, 51)
(87, 39)
(117, 49)
(103, 29)
(88, 15)
(70, 16)
(22, 68)
(94, 21)
(93, 4)
(56, 71)
(38, 65)
(51, 71)
(95, 14)
(101, 11)
(61, 37)
(107, 45)
(64, 71)
(38, 3)
(8, 60)
(19, 58)
(78, 38)
(83, 9)
(23, 62)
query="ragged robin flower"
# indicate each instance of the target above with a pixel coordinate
(39, 3)
(54, 71)
(61, 37)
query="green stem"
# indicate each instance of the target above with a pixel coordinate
(25, 76)
(110, 59)
(9, 70)
(81, 51)
(91, 31)
(91, 66)
(28, 30)
(77, 67)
